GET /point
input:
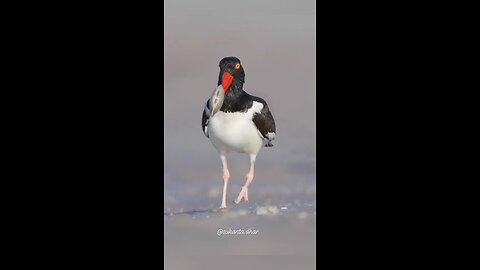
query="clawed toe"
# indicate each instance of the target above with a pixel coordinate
(242, 195)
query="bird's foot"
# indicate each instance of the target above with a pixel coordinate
(223, 205)
(243, 194)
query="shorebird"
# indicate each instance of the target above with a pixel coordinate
(235, 121)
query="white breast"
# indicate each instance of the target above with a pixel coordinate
(236, 131)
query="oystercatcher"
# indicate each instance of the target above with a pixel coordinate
(233, 120)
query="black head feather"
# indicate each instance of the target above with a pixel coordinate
(228, 64)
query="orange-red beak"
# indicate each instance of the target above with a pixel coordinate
(227, 79)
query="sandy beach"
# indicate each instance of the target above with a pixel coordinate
(275, 40)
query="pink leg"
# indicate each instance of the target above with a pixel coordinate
(226, 176)
(244, 192)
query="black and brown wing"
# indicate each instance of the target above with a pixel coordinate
(205, 118)
(264, 122)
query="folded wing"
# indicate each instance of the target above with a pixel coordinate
(265, 123)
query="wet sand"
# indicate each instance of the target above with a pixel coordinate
(244, 240)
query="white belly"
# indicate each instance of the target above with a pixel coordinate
(234, 132)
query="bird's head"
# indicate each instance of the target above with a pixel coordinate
(231, 73)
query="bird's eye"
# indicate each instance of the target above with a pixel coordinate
(237, 66)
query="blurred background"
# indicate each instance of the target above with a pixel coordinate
(275, 41)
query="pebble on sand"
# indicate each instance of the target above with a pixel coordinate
(267, 210)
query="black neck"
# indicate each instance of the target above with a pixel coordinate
(235, 89)
(236, 99)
